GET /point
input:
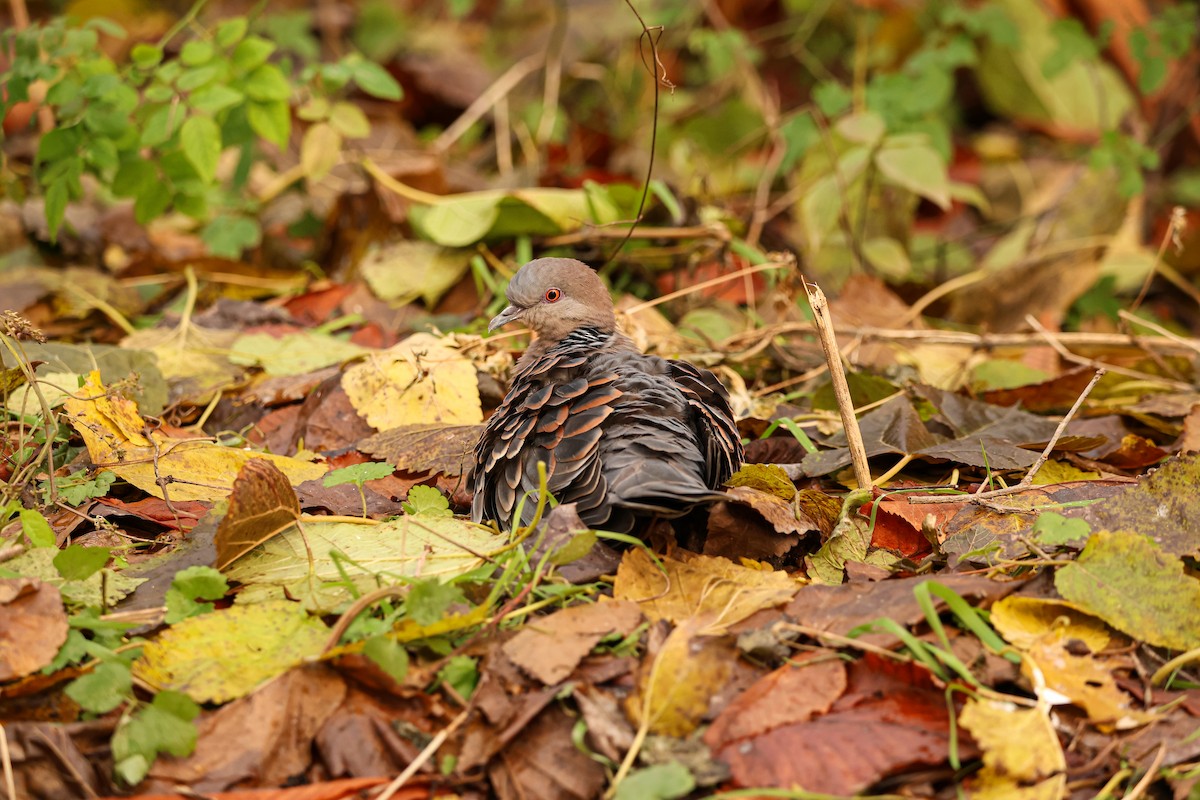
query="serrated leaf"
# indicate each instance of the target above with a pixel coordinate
(78, 563)
(201, 141)
(427, 501)
(358, 473)
(104, 688)
(36, 528)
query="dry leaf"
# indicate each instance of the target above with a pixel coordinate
(549, 648)
(261, 505)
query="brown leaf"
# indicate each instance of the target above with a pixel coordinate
(549, 648)
(796, 692)
(890, 720)
(544, 764)
(448, 449)
(259, 740)
(33, 626)
(261, 505)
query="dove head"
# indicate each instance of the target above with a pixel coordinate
(556, 296)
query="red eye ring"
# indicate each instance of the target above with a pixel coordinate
(553, 295)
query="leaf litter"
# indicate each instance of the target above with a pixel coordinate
(235, 553)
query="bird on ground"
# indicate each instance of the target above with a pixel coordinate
(626, 436)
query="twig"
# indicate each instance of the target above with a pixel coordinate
(1162, 673)
(351, 613)
(1177, 223)
(10, 785)
(1191, 344)
(1067, 355)
(474, 112)
(1027, 481)
(424, 756)
(841, 389)
(1151, 773)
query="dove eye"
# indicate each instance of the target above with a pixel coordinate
(552, 295)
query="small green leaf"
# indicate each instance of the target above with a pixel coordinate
(196, 52)
(376, 81)
(152, 200)
(462, 673)
(57, 195)
(201, 141)
(272, 121)
(658, 782)
(227, 236)
(251, 52)
(1054, 529)
(428, 600)
(427, 501)
(104, 688)
(161, 125)
(358, 473)
(188, 587)
(231, 31)
(888, 257)
(78, 563)
(917, 168)
(36, 528)
(388, 655)
(213, 99)
(266, 83)
(163, 727)
(193, 79)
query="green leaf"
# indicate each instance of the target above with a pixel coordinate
(192, 79)
(76, 493)
(78, 563)
(866, 128)
(188, 587)
(376, 81)
(165, 726)
(916, 167)
(57, 195)
(349, 120)
(231, 31)
(266, 83)
(389, 655)
(197, 52)
(428, 600)
(152, 200)
(104, 688)
(427, 501)
(358, 473)
(887, 256)
(201, 141)
(1054, 529)
(161, 125)
(251, 52)
(462, 674)
(832, 98)
(1129, 582)
(659, 782)
(227, 236)
(272, 121)
(215, 98)
(58, 144)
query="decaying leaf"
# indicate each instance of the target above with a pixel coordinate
(448, 449)
(714, 589)
(261, 505)
(1023, 621)
(1022, 757)
(166, 467)
(33, 626)
(225, 654)
(419, 381)
(549, 648)
(676, 686)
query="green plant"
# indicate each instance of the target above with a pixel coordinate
(358, 474)
(158, 128)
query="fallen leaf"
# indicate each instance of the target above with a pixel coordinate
(33, 626)
(1127, 581)
(448, 449)
(404, 270)
(225, 654)
(294, 353)
(716, 589)
(419, 381)
(1163, 506)
(193, 469)
(676, 686)
(1058, 677)
(1022, 757)
(549, 648)
(261, 505)
(1023, 621)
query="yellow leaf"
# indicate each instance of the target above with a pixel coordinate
(191, 469)
(716, 590)
(1022, 757)
(1023, 621)
(223, 655)
(674, 689)
(1060, 678)
(419, 381)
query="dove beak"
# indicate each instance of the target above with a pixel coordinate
(504, 317)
